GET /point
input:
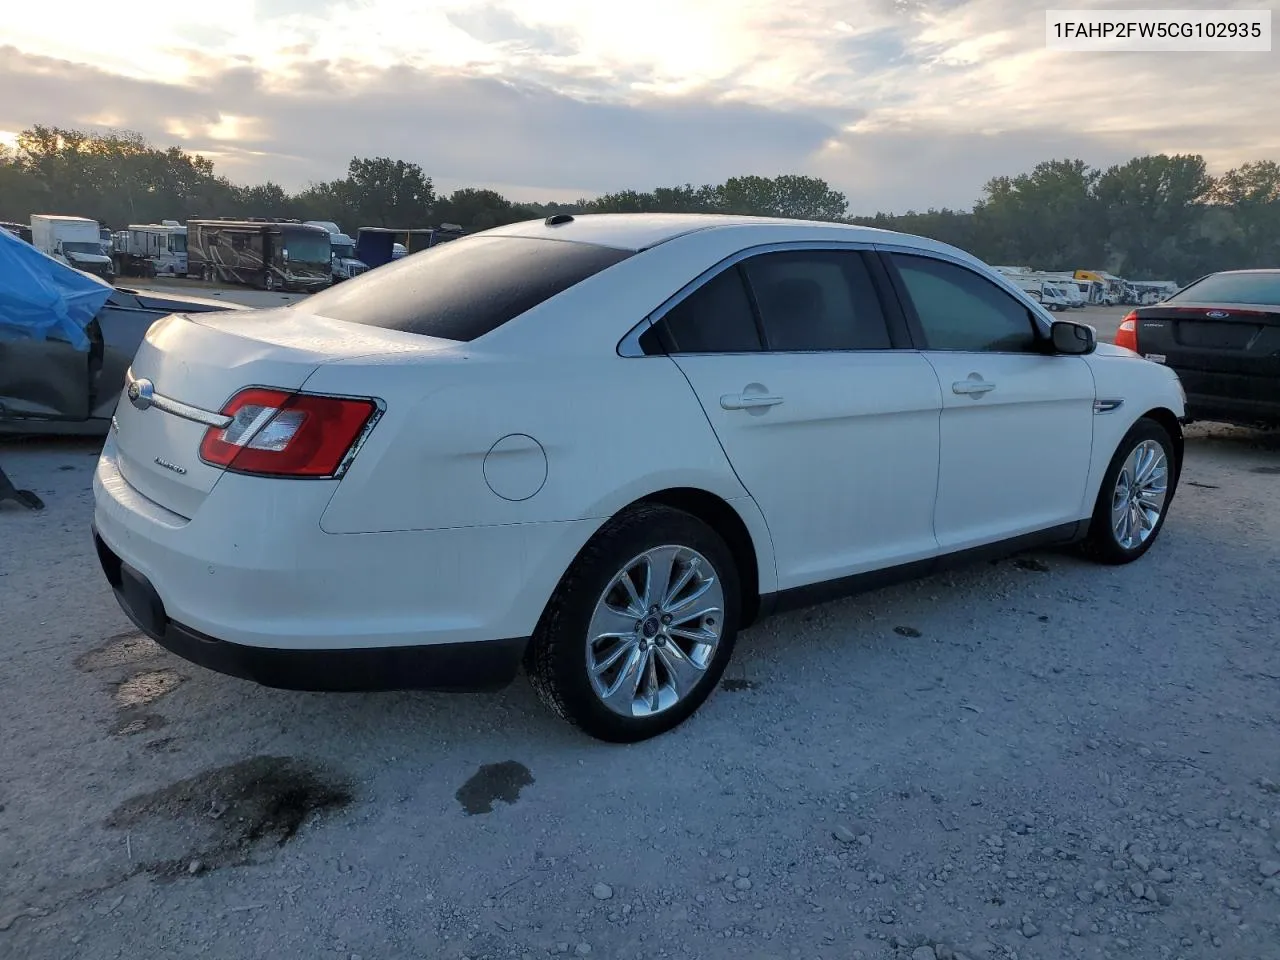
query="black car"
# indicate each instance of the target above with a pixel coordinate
(1221, 334)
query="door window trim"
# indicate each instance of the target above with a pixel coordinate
(895, 318)
(1041, 322)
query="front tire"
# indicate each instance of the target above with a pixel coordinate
(1135, 495)
(641, 627)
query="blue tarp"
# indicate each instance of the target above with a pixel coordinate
(41, 298)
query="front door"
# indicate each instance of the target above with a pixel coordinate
(1017, 422)
(832, 431)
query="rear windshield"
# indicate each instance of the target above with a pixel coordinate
(1233, 288)
(463, 289)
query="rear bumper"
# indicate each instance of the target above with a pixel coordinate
(483, 665)
(1233, 410)
(1238, 397)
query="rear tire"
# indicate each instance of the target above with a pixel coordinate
(1135, 495)
(626, 663)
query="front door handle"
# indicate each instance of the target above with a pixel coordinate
(749, 401)
(972, 388)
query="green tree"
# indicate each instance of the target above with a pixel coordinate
(1248, 196)
(1046, 219)
(791, 195)
(389, 193)
(1153, 207)
(475, 209)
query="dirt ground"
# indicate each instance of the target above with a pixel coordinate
(1039, 758)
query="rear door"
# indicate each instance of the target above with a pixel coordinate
(831, 428)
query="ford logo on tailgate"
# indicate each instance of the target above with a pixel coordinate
(1217, 314)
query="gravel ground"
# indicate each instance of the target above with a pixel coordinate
(1038, 758)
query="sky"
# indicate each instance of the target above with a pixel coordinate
(900, 104)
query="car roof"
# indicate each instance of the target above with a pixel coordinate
(1221, 273)
(640, 231)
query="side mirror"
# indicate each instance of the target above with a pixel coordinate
(1074, 339)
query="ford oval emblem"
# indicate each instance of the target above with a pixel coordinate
(1217, 314)
(141, 393)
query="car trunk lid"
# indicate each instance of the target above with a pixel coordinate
(1217, 350)
(193, 365)
(1235, 338)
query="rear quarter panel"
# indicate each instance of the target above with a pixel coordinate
(612, 430)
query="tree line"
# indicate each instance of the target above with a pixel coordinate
(1154, 217)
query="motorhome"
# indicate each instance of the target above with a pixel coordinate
(1112, 286)
(342, 252)
(152, 249)
(75, 241)
(1147, 292)
(269, 254)
(1044, 291)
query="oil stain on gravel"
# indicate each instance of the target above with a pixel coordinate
(227, 816)
(122, 650)
(1268, 470)
(911, 632)
(737, 684)
(144, 688)
(492, 782)
(1032, 564)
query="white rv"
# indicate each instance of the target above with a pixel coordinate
(152, 249)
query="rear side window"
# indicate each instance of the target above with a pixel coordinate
(817, 300)
(715, 318)
(1261, 288)
(463, 289)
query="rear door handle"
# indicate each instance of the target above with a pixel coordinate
(738, 401)
(972, 388)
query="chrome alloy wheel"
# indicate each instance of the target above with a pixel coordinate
(1139, 497)
(655, 631)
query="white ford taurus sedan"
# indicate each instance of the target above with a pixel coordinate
(602, 446)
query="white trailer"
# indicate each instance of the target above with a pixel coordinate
(152, 249)
(75, 241)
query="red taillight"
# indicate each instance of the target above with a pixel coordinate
(282, 434)
(1127, 334)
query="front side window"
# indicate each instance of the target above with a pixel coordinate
(961, 310)
(817, 300)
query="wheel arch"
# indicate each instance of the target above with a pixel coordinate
(752, 552)
(728, 523)
(1173, 426)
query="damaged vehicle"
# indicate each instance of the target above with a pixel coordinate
(66, 340)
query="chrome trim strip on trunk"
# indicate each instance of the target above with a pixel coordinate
(142, 394)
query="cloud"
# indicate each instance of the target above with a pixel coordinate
(476, 130)
(900, 103)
